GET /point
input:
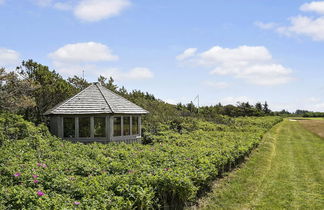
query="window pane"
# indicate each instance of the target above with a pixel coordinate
(99, 127)
(135, 126)
(126, 126)
(69, 127)
(84, 127)
(117, 126)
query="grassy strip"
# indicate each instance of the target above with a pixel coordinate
(285, 172)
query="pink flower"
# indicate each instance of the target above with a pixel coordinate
(36, 181)
(167, 169)
(17, 174)
(42, 164)
(35, 176)
(76, 203)
(40, 193)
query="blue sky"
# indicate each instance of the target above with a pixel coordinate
(225, 51)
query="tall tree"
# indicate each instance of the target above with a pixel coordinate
(78, 82)
(109, 85)
(16, 95)
(266, 108)
(51, 88)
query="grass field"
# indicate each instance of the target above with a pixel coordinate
(285, 172)
(315, 126)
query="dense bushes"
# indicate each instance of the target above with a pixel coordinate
(313, 114)
(38, 170)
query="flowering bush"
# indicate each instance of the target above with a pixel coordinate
(38, 170)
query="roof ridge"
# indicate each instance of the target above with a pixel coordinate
(98, 86)
(67, 100)
(96, 98)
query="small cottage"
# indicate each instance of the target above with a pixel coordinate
(96, 114)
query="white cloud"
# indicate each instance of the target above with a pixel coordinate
(265, 25)
(312, 27)
(266, 75)
(315, 6)
(253, 64)
(8, 57)
(187, 54)
(87, 10)
(234, 56)
(72, 59)
(217, 85)
(137, 73)
(95, 10)
(83, 52)
(302, 25)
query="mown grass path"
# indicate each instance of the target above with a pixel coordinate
(285, 172)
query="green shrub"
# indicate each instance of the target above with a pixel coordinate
(169, 172)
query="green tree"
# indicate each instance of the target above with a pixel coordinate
(258, 106)
(78, 82)
(266, 108)
(16, 95)
(50, 89)
(109, 85)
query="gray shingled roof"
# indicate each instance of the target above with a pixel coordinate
(96, 99)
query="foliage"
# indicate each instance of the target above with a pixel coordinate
(38, 170)
(313, 114)
(15, 95)
(32, 89)
(51, 88)
(78, 82)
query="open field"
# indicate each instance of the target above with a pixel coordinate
(314, 126)
(285, 172)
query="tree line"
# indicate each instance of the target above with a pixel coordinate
(32, 88)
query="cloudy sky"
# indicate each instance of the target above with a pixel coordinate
(225, 51)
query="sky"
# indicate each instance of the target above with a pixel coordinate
(225, 51)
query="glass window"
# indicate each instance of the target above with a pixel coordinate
(117, 126)
(84, 127)
(135, 126)
(99, 127)
(126, 126)
(69, 127)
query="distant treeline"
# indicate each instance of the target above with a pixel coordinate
(33, 88)
(306, 113)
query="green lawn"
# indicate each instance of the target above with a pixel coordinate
(285, 172)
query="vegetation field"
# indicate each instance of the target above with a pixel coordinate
(285, 172)
(182, 158)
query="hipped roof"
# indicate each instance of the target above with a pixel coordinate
(96, 99)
